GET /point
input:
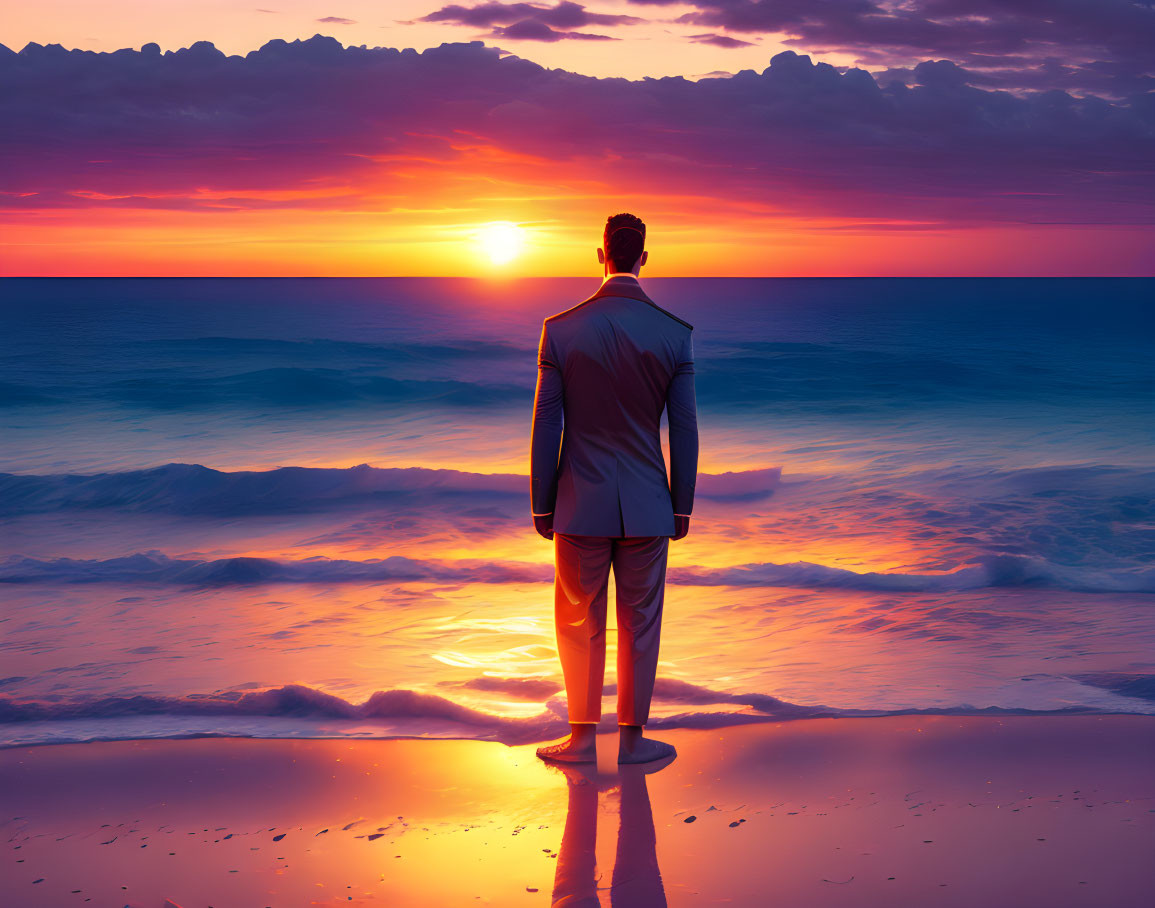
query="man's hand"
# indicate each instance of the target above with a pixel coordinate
(681, 526)
(544, 526)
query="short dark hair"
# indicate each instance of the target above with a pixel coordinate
(624, 246)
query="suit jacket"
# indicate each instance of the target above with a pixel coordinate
(607, 368)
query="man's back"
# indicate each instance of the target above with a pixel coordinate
(611, 364)
(607, 367)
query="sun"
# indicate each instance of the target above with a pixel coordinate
(501, 241)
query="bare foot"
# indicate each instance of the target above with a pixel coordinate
(637, 749)
(571, 750)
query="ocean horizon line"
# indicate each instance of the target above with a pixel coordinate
(519, 277)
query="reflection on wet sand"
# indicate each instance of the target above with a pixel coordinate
(637, 879)
(906, 811)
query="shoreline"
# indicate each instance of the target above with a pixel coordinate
(605, 727)
(363, 730)
(1023, 811)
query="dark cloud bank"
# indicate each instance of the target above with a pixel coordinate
(1097, 45)
(800, 136)
(1100, 46)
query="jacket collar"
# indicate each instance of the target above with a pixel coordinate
(629, 287)
(621, 286)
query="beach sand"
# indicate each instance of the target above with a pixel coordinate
(1006, 812)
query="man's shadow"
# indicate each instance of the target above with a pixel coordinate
(636, 881)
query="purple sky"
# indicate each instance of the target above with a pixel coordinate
(960, 115)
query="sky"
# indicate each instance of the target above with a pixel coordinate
(754, 137)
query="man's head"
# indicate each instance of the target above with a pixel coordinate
(623, 243)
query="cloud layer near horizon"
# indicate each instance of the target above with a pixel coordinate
(1010, 33)
(1095, 46)
(312, 124)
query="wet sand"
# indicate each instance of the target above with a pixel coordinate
(1009, 812)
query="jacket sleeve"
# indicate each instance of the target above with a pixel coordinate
(547, 429)
(682, 411)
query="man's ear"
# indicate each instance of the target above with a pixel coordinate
(645, 255)
(601, 256)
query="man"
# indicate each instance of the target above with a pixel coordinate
(607, 368)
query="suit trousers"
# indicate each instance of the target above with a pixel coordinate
(581, 580)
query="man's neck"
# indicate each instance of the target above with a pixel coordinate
(621, 274)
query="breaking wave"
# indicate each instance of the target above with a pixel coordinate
(981, 571)
(297, 711)
(192, 489)
(156, 567)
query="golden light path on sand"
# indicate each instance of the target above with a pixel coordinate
(827, 813)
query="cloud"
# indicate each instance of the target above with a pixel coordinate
(1008, 36)
(357, 124)
(563, 15)
(337, 20)
(531, 21)
(539, 31)
(1096, 78)
(719, 41)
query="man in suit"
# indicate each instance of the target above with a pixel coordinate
(607, 368)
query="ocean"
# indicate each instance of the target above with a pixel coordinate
(300, 507)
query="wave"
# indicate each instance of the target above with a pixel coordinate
(17, 395)
(192, 489)
(299, 711)
(736, 374)
(156, 567)
(1032, 527)
(773, 375)
(981, 571)
(297, 388)
(430, 711)
(210, 372)
(1128, 684)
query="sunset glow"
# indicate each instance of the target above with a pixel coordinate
(509, 151)
(376, 533)
(501, 241)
